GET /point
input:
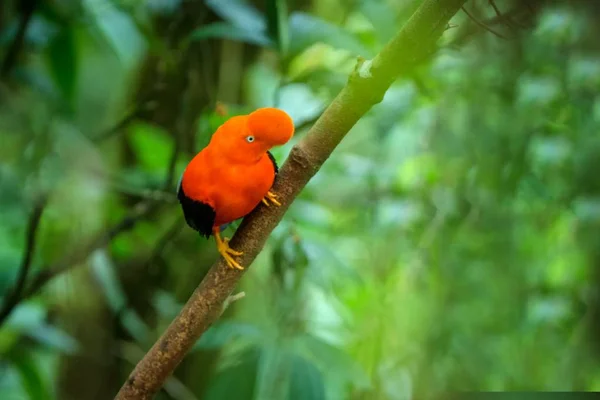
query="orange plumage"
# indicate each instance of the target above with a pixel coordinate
(234, 173)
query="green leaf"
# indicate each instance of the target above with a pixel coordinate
(224, 30)
(332, 359)
(104, 271)
(62, 62)
(381, 16)
(119, 30)
(277, 24)
(152, 146)
(306, 381)
(26, 316)
(237, 381)
(54, 338)
(223, 332)
(29, 372)
(300, 102)
(28, 319)
(239, 13)
(306, 30)
(102, 268)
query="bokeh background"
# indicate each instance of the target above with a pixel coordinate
(451, 242)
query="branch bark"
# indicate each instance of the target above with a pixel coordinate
(365, 88)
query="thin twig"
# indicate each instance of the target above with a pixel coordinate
(465, 34)
(232, 299)
(481, 24)
(11, 300)
(507, 19)
(495, 7)
(116, 128)
(27, 9)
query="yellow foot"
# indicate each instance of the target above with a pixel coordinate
(227, 252)
(272, 197)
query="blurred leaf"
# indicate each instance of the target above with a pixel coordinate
(323, 79)
(163, 6)
(223, 332)
(31, 376)
(236, 381)
(560, 26)
(587, 209)
(8, 339)
(224, 30)
(102, 268)
(300, 103)
(277, 24)
(306, 382)
(62, 60)
(261, 83)
(382, 18)
(54, 338)
(306, 30)
(239, 13)
(312, 213)
(273, 377)
(538, 91)
(152, 145)
(333, 360)
(417, 172)
(546, 309)
(584, 73)
(396, 382)
(119, 30)
(166, 305)
(551, 151)
(28, 319)
(26, 316)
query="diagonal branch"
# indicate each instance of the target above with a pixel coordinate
(366, 87)
(21, 291)
(139, 212)
(13, 298)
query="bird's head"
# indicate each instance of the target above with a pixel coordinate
(269, 127)
(249, 137)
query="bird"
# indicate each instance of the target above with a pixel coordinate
(233, 174)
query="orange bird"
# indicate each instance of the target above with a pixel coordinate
(233, 174)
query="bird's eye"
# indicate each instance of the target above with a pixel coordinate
(250, 139)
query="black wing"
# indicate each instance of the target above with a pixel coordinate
(274, 162)
(198, 215)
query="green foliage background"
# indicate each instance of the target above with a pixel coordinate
(451, 242)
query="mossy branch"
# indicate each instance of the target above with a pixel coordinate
(366, 87)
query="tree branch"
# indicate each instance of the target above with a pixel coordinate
(13, 298)
(46, 274)
(366, 87)
(140, 211)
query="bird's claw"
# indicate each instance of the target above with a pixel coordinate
(227, 253)
(272, 197)
(230, 250)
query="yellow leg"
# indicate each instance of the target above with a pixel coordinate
(270, 197)
(226, 251)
